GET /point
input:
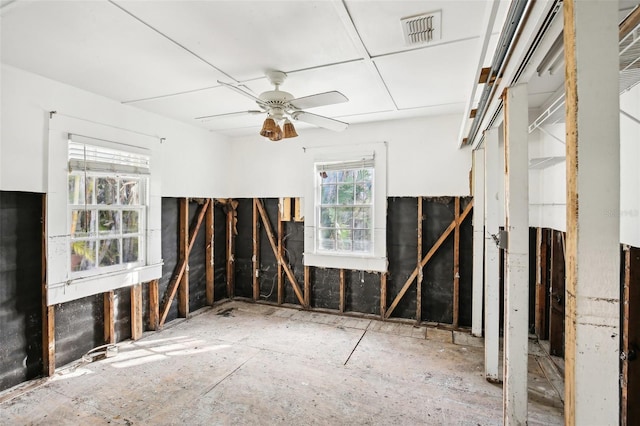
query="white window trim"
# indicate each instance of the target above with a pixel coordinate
(62, 286)
(375, 261)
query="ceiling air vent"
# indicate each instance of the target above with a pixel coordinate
(420, 29)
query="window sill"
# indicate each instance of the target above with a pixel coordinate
(346, 261)
(87, 286)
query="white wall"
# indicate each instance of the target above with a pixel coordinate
(194, 162)
(423, 158)
(547, 192)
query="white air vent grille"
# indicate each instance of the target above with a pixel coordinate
(421, 29)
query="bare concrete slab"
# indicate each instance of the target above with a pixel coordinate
(243, 363)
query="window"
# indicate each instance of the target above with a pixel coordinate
(106, 208)
(345, 208)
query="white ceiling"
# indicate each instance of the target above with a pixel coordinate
(166, 56)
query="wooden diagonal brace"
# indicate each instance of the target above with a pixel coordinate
(428, 256)
(170, 293)
(279, 257)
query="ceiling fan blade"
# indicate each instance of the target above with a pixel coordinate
(320, 121)
(242, 92)
(320, 99)
(228, 114)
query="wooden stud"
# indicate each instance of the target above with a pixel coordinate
(48, 312)
(420, 270)
(109, 320)
(209, 262)
(183, 256)
(255, 261)
(307, 286)
(341, 284)
(456, 265)
(428, 257)
(136, 312)
(274, 247)
(484, 75)
(473, 113)
(280, 257)
(557, 293)
(298, 215)
(172, 288)
(383, 296)
(285, 212)
(541, 327)
(231, 244)
(154, 306)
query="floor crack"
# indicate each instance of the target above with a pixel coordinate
(225, 377)
(355, 347)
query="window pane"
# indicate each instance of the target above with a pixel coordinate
(109, 252)
(363, 193)
(109, 221)
(328, 177)
(362, 217)
(83, 255)
(364, 175)
(82, 223)
(327, 217)
(345, 175)
(345, 194)
(327, 239)
(130, 249)
(76, 189)
(362, 241)
(328, 194)
(344, 217)
(344, 241)
(106, 190)
(129, 191)
(130, 223)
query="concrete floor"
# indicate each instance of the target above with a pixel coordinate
(242, 363)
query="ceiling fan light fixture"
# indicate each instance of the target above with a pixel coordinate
(268, 128)
(277, 134)
(289, 130)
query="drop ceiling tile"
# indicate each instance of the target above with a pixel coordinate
(97, 47)
(429, 77)
(246, 38)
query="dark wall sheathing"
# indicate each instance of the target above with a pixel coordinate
(169, 250)
(20, 287)
(122, 313)
(362, 292)
(293, 242)
(219, 253)
(244, 249)
(402, 252)
(79, 328)
(532, 280)
(325, 288)
(268, 263)
(466, 265)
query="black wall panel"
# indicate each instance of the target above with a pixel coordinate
(244, 249)
(197, 264)
(79, 328)
(169, 250)
(20, 287)
(219, 253)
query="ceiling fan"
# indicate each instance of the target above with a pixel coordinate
(280, 106)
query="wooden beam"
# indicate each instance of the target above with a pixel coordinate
(541, 327)
(484, 75)
(255, 260)
(307, 286)
(341, 284)
(231, 249)
(383, 296)
(172, 288)
(557, 293)
(274, 247)
(280, 257)
(285, 212)
(629, 23)
(48, 312)
(428, 257)
(456, 265)
(298, 215)
(136, 312)
(154, 306)
(183, 256)
(209, 262)
(109, 320)
(419, 259)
